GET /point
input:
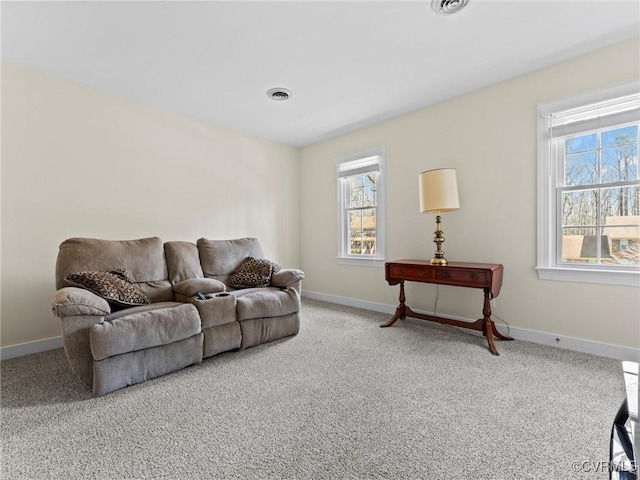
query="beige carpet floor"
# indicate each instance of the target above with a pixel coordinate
(343, 399)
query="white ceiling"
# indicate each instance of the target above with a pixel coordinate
(348, 64)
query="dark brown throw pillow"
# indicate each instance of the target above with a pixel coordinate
(113, 286)
(253, 272)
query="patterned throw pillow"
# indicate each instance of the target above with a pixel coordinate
(113, 286)
(253, 272)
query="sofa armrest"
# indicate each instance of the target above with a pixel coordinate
(185, 291)
(287, 277)
(73, 301)
(79, 310)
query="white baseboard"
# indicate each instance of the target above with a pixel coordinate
(543, 338)
(350, 302)
(23, 349)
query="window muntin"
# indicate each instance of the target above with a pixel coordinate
(588, 187)
(360, 206)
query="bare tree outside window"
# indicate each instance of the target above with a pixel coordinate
(362, 214)
(601, 198)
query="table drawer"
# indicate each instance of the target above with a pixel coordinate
(412, 272)
(469, 278)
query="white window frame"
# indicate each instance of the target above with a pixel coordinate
(370, 161)
(550, 175)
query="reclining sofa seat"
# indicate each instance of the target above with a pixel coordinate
(111, 348)
(231, 317)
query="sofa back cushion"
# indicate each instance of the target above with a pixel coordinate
(183, 261)
(220, 258)
(143, 260)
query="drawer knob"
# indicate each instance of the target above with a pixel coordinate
(473, 276)
(446, 275)
(421, 273)
(401, 271)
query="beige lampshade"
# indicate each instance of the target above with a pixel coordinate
(439, 190)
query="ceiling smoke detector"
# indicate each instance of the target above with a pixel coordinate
(279, 94)
(446, 7)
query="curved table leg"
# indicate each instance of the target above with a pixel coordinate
(495, 331)
(488, 326)
(401, 310)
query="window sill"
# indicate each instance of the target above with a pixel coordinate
(588, 275)
(362, 262)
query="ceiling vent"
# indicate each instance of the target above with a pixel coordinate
(279, 94)
(447, 7)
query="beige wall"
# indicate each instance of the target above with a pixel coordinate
(490, 137)
(76, 162)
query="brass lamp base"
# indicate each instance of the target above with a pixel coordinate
(438, 261)
(438, 240)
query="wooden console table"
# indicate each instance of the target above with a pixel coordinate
(471, 275)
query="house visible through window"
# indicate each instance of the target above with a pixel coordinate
(361, 207)
(589, 189)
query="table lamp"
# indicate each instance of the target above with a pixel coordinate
(438, 193)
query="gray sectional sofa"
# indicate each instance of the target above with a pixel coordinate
(181, 303)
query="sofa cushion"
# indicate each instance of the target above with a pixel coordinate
(183, 261)
(159, 291)
(143, 259)
(142, 308)
(113, 286)
(253, 272)
(145, 329)
(220, 258)
(266, 302)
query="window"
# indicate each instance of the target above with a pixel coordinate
(361, 208)
(589, 189)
